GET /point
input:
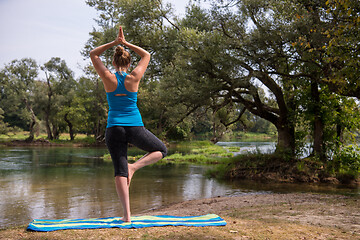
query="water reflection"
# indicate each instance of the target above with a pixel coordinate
(261, 147)
(250, 147)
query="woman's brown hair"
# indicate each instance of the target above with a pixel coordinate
(121, 57)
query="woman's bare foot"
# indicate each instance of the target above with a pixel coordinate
(124, 219)
(131, 171)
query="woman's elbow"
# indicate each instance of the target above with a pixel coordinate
(92, 54)
(147, 55)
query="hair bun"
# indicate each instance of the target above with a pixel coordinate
(121, 57)
(119, 50)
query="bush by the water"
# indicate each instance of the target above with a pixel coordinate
(346, 164)
(343, 168)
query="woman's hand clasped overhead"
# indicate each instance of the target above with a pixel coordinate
(120, 38)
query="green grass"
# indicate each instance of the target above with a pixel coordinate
(64, 138)
(199, 152)
(14, 136)
(233, 149)
(131, 159)
(194, 152)
(179, 158)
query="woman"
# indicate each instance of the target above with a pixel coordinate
(124, 120)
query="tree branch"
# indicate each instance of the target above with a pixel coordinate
(237, 119)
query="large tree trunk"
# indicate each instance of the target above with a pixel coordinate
(318, 147)
(32, 122)
(286, 139)
(318, 124)
(55, 130)
(71, 130)
(47, 125)
(48, 109)
(339, 130)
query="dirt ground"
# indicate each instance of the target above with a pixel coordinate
(253, 216)
(314, 209)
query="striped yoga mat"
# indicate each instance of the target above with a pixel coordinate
(136, 222)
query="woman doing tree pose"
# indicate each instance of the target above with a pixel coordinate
(124, 124)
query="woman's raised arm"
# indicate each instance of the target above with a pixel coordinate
(108, 78)
(140, 69)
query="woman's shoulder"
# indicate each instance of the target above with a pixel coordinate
(130, 84)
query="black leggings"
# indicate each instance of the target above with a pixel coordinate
(117, 139)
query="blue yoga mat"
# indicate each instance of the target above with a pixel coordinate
(136, 222)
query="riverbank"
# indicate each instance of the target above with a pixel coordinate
(41, 142)
(20, 140)
(253, 216)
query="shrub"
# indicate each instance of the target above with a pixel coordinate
(346, 163)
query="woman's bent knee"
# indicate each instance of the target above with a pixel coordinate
(164, 151)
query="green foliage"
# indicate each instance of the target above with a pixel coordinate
(60, 90)
(346, 163)
(4, 126)
(233, 149)
(176, 134)
(259, 166)
(91, 100)
(17, 98)
(343, 46)
(344, 166)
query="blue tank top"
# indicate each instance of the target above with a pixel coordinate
(123, 110)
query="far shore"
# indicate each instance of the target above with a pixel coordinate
(41, 142)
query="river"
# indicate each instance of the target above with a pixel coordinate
(64, 182)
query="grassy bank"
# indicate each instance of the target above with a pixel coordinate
(195, 152)
(263, 216)
(64, 139)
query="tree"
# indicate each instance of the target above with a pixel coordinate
(18, 82)
(317, 57)
(226, 65)
(343, 47)
(282, 45)
(60, 85)
(244, 46)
